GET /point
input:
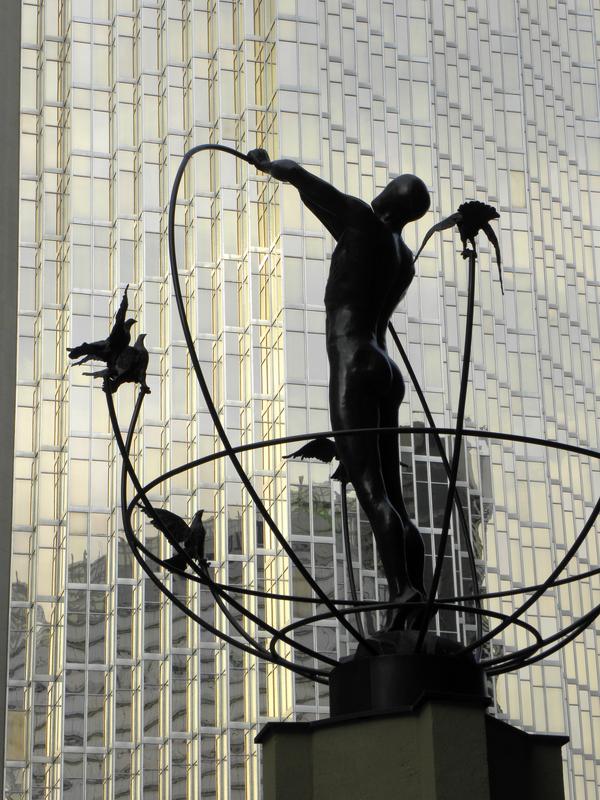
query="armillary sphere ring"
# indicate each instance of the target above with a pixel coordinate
(539, 649)
(243, 620)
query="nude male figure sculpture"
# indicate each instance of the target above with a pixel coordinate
(371, 269)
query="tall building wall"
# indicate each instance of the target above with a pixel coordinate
(496, 102)
(9, 248)
(112, 692)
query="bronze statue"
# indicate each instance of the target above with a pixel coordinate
(130, 367)
(108, 349)
(371, 269)
(191, 536)
(370, 272)
(124, 364)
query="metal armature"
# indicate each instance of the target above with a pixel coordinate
(128, 364)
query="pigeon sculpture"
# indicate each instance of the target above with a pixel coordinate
(130, 367)
(192, 537)
(324, 450)
(109, 349)
(470, 219)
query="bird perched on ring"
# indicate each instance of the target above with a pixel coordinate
(324, 450)
(192, 537)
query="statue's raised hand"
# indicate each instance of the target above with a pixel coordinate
(281, 169)
(260, 158)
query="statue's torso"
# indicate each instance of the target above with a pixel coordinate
(370, 272)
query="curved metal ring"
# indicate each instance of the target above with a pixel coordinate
(376, 606)
(537, 590)
(221, 592)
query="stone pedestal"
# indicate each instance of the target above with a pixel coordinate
(437, 750)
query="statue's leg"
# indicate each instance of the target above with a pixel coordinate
(414, 548)
(361, 459)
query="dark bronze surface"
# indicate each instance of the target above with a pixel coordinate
(398, 677)
(108, 349)
(358, 314)
(124, 364)
(371, 269)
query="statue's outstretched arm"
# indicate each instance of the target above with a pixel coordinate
(336, 210)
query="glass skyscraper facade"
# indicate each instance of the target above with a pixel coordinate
(112, 693)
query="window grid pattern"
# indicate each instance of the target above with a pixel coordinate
(502, 108)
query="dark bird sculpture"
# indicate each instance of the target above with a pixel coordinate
(324, 450)
(470, 218)
(109, 349)
(130, 367)
(192, 537)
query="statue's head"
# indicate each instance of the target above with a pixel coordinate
(404, 199)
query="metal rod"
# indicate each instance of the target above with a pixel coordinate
(456, 453)
(544, 586)
(127, 469)
(578, 628)
(291, 598)
(383, 606)
(348, 552)
(209, 401)
(303, 437)
(467, 432)
(512, 660)
(442, 451)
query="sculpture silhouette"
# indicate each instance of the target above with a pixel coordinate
(130, 367)
(324, 450)
(371, 269)
(191, 536)
(108, 349)
(471, 217)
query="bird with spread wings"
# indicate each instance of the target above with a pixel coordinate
(108, 349)
(324, 450)
(130, 367)
(124, 364)
(470, 219)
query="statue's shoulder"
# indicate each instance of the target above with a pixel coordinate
(359, 216)
(404, 250)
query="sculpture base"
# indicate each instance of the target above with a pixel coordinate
(397, 678)
(439, 750)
